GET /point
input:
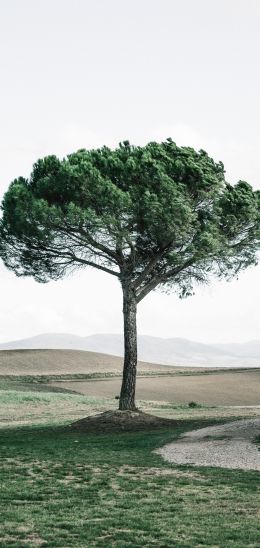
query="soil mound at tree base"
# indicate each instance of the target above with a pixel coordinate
(121, 421)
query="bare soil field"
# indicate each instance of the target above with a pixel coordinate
(223, 388)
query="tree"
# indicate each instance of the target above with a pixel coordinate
(158, 216)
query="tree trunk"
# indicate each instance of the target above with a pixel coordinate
(127, 395)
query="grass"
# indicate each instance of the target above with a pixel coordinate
(22, 384)
(23, 404)
(43, 379)
(64, 489)
(14, 398)
(47, 378)
(30, 407)
(68, 489)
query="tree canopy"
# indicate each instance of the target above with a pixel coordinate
(154, 216)
(160, 215)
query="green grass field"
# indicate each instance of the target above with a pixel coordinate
(61, 488)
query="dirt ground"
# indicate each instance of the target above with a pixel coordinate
(227, 388)
(229, 445)
(121, 421)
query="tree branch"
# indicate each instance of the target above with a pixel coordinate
(95, 265)
(163, 277)
(148, 269)
(70, 255)
(88, 239)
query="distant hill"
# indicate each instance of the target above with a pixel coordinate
(63, 362)
(172, 351)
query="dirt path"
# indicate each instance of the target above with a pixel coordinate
(229, 446)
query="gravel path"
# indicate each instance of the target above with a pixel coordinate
(228, 446)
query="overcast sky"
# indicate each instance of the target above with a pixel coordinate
(82, 73)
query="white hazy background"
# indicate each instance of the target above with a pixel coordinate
(83, 73)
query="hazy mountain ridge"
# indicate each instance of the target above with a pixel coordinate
(172, 351)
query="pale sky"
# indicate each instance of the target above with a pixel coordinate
(82, 73)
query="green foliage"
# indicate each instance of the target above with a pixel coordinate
(158, 215)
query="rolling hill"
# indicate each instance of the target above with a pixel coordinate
(171, 351)
(64, 362)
